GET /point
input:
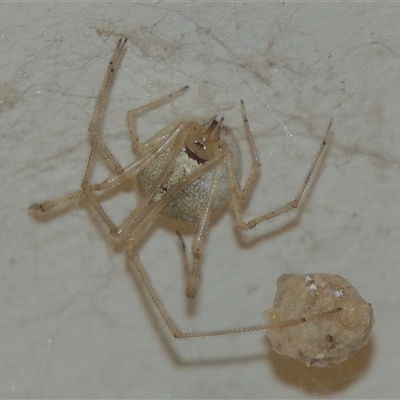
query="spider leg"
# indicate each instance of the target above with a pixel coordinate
(113, 180)
(137, 112)
(110, 182)
(255, 170)
(175, 143)
(137, 223)
(297, 321)
(96, 124)
(137, 268)
(96, 143)
(201, 234)
(94, 131)
(237, 194)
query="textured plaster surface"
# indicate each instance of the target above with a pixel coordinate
(73, 323)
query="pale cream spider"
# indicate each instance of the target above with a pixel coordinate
(185, 172)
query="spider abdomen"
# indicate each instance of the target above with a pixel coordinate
(189, 203)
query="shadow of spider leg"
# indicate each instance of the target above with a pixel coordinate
(138, 268)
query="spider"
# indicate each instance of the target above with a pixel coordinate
(186, 172)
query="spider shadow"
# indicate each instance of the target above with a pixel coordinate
(167, 340)
(318, 381)
(322, 381)
(117, 245)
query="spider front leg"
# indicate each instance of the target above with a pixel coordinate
(96, 144)
(95, 130)
(96, 124)
(132, 116)
(237, 194)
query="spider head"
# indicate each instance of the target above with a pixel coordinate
(202, 140)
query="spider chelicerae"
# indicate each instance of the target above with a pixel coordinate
(185, 171)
